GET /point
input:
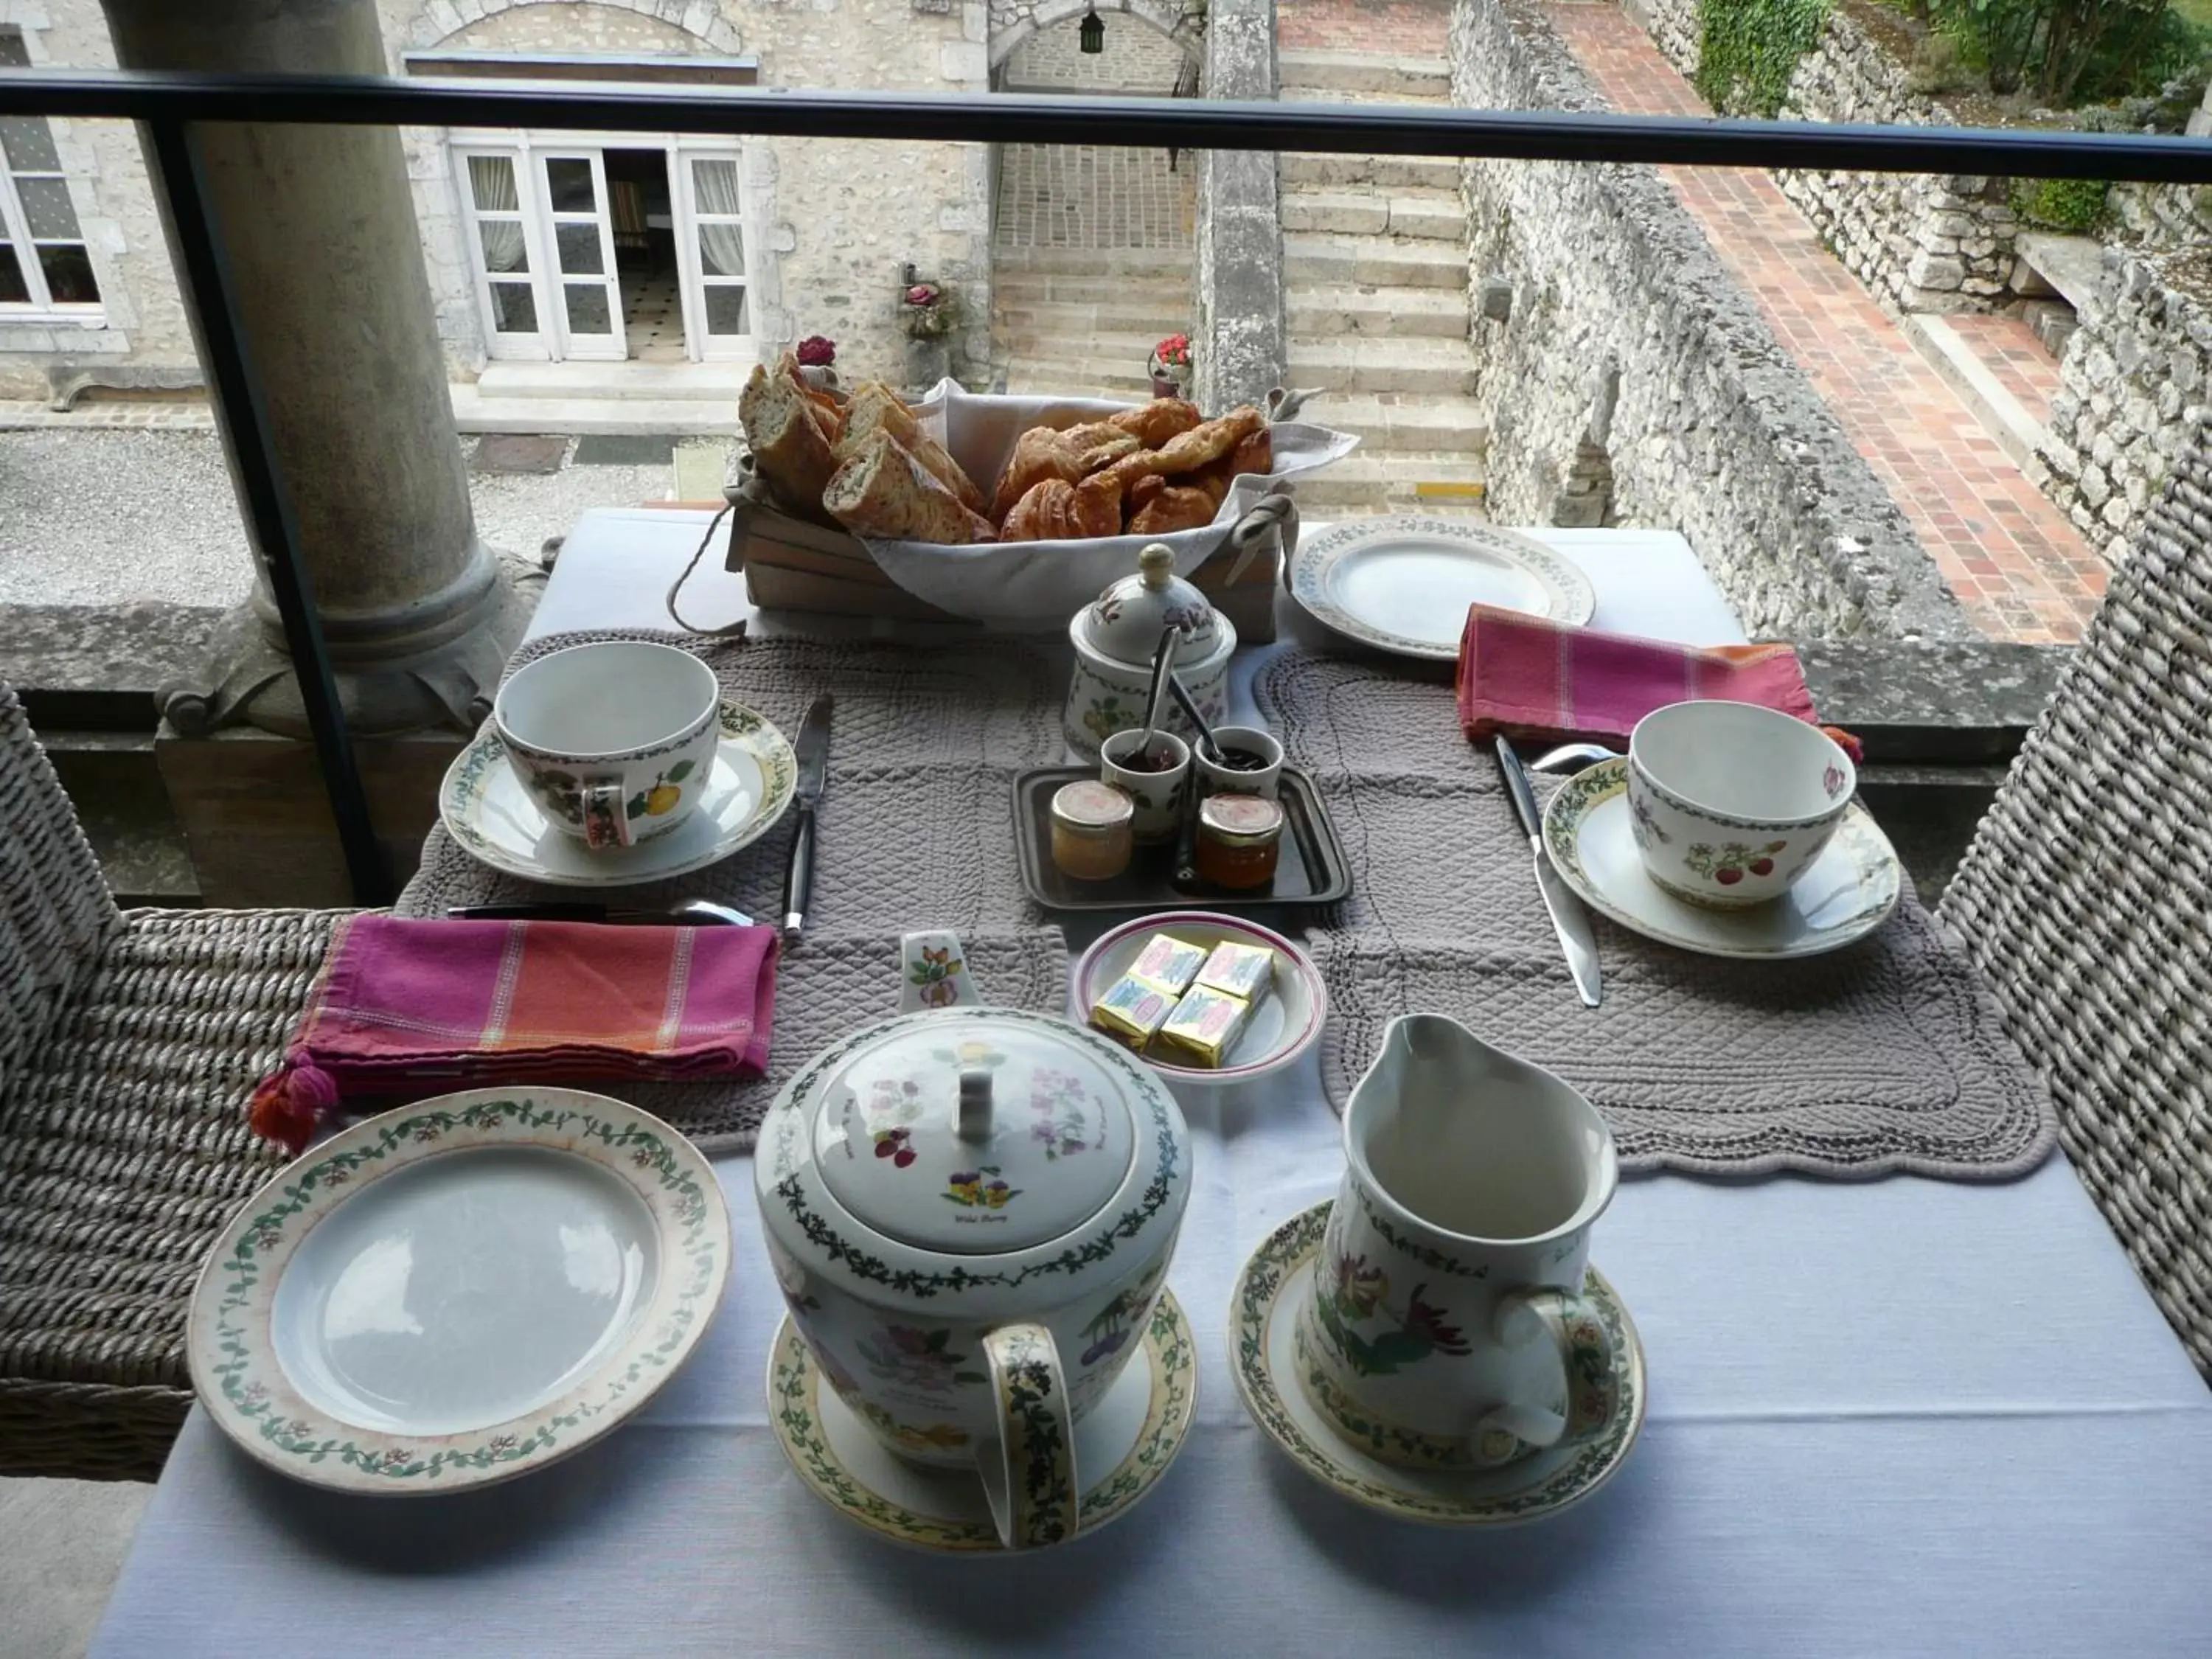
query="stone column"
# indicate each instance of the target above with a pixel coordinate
(1241, 350)
(335, 303)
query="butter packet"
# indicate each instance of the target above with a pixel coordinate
(1132, 1011)
(1167, 964)
(1203, 1026)
(1239, 970)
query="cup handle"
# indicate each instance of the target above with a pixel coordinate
(605, 823)
(1585, 1349)
(1027, 1460)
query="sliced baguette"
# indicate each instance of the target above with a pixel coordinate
(787, 440)
(876, 408)
(884, 491)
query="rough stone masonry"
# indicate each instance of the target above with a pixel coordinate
(1623, 337)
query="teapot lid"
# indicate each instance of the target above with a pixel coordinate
(978, 1131)
(1125, 620)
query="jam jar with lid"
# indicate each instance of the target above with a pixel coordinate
(1092, 825)
(1240, 837)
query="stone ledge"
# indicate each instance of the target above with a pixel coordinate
(1948, 704)
(95, 668)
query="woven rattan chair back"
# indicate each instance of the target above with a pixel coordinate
(55, 910)
(2087, 901)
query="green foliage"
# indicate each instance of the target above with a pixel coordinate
(1748, 50)
(2072, 205)
(2066, 51)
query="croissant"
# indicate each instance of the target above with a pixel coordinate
(1175, 507)
(1039, 454)
(1055, 510)
(1158, 421)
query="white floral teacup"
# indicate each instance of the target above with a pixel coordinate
(1157, 792)
(1446, 1328)
(614, 740)
(1731, 802)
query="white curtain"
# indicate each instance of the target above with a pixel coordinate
(722, 247)
(491, 181)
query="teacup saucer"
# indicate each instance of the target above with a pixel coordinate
(486, 809)
(1132, 1435)
(1848, 893)
(1263, 1315)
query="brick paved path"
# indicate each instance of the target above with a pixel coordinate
(1092, 196)
(1386, 28)
(2021, 570)
(2008, 348)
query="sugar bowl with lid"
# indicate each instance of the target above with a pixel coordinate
(1116, 636)
(970, 1211)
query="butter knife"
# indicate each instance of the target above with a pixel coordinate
(812, 751)
(1569, 919)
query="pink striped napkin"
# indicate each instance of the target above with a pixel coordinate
(1527, 677)
(405, 1007)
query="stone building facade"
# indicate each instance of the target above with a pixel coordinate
(795, 236)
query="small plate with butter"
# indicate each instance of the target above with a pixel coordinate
(1205, 999)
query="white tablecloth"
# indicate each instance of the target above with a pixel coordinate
(1900, 1417)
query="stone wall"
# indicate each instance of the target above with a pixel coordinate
(1918, 242)
(143, 321)
(1238, 348)
(836, 220)
(2134, 388)
(1137, 59)
(1626, 335)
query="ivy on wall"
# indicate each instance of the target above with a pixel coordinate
(2073, 205)
(1748, 50)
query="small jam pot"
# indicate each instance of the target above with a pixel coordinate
(1239, 838)
(1091, 825)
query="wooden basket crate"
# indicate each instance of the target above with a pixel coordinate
(792, 564)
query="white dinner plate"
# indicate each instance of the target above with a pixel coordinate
(459, 1291)
(1403, 583)
(1848, 893)
(486, 809)
(1283, 1027)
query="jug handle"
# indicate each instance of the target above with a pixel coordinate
(1027, 1459)
(933, 973)
(1571, 1324)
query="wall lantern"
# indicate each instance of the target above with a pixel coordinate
(1093, 33)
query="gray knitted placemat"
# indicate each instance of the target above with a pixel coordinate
(913, 831)
(1884, 1058)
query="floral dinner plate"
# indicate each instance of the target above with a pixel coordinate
(485, 808)
(459, 1291)
(1849, 892)
(1262, 1316)
(1403, 583)
(1132, 1435)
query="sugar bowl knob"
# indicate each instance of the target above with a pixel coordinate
(975, 1106)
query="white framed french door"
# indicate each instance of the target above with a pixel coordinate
(504, 247)
(712, 249)
(588, 309)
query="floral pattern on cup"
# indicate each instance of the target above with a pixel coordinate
(1356, 1293)
(979, 1188)
(1729, 864)
(916, 1359)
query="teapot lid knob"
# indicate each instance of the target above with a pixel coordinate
(1156, 565)
(974, 1105)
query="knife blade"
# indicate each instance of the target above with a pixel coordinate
(813, 749)
(1569, 921)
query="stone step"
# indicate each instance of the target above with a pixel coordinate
(1306, 94)
(1434, 313)
(714, 384)
(473, 411)
(1432, 215)
(1381, 172)
(1383, 365)
(1137, 315)
(1079, 377)
(1361, 71)
(1093, 261)
(1314, 258)
(2002, 415)
(1364, 483)
(1389, 422)
(1057, 345)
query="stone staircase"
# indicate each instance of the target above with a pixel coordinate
(1082, 321)
(1376, 297)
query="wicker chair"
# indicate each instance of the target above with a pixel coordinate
(128, 1043)
(2087, 901)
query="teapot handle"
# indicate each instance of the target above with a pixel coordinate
(933, 973)
(1027, 1459)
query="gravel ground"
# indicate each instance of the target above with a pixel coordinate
(103, 517)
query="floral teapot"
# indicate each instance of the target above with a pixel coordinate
(970, 1211)
(1114, 637)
